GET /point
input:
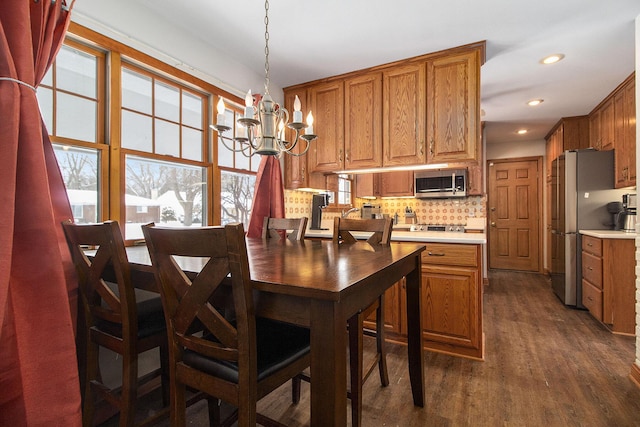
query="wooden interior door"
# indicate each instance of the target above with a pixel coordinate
(514, 208)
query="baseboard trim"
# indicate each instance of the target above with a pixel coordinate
(635, 374)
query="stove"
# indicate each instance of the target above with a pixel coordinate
(438, 227)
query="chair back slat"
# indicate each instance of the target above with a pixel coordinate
(278, 228)
(381, 230)
(186, 297)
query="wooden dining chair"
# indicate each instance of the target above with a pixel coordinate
(226, 352)
(292, 228)
(381, 235)
(116, 316)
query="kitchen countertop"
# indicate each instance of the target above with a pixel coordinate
(609, 234)
(413, 236)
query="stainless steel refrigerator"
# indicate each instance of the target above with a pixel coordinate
(582, 183)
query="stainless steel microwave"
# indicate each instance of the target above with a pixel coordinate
(440, 184)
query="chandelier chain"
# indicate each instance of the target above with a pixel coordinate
(266, 46)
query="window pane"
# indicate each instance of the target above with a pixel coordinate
(191, 144)
(136, 91)
(225, 156)
(167, 99)
(79, 168)
(76, 117)
(47, 80)
(45, 100)
(242, 161)
(167, 138)
(136, 131)
(236, 197)
(76, 72)
(162, 192)
(191, 110)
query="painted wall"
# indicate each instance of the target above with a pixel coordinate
(156, 36)
(515, 149)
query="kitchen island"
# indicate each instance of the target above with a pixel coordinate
(451, 291)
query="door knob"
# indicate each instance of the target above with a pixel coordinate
(493, 223)
(493, 209)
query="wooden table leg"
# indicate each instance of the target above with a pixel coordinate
(328, 365)
(414, 333)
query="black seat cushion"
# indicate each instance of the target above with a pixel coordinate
(278, 345)
(150, 315)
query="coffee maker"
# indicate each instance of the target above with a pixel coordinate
(616, 210)
(318, 202)
(628, 216)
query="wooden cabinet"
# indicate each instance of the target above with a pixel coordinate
(385, 184)
(383, 116)
(403, 115)
(326, 101)
(395, 318)
(624, 112)
(453, 107)
(451, 305)
(395, 184)
(363, 121)
(452, 299)
(367, 185)
(613, 126)
(608, 282)
(601, 126)
(570, 133)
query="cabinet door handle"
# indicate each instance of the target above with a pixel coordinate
(589, 268)
(431, 147)
(434, 254)
(340, 155)
(347, 155)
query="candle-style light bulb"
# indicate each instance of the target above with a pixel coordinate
(309, 130)
(248, 105)
(297, 113)
(221, 109)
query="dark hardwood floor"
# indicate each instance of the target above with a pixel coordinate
(545, 365)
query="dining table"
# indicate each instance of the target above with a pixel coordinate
(320, 284)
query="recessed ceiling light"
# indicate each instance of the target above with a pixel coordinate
(521, 131)
(535, 102)
(552, 59)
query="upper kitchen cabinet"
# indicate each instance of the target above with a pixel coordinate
(624, 112)
(453, 107)
(326, 102)
(613, 126)
(602, 127)
(363, 121)
(403, 115)
(570, 133)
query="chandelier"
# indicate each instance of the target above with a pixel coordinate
(261, 128)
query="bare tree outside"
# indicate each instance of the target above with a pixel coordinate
(78, 168)
(237, 197)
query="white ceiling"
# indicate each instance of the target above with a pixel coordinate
(314, 39)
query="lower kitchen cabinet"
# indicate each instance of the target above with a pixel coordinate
(452, 299)
(395, 320)
(451, 302)
(608, 282)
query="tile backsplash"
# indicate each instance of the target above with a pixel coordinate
(431, 211)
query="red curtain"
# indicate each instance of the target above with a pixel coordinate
(38, 369)
(268, 195)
